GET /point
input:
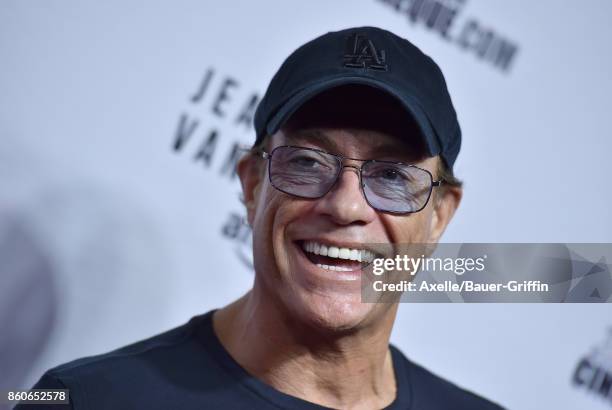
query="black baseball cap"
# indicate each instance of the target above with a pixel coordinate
(372, 57)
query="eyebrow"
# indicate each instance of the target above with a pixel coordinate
(320, 138)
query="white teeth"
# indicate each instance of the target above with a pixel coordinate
(345, 253)
(332, 267)
(333, 252)
(323, 251)
(360, 255)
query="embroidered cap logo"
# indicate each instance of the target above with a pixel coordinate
(361, 53)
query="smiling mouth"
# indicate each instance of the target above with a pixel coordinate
(337, 259)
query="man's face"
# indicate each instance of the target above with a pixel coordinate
(326, 291)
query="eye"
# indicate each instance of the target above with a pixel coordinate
(305, 161)
(388, 174)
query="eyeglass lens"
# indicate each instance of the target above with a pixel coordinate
(387, 186)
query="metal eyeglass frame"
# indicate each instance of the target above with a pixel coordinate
(268, 156)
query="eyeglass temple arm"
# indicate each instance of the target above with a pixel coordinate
(259, 152)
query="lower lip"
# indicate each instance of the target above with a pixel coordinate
(347, 276)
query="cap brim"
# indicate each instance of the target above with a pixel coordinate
(410, 103)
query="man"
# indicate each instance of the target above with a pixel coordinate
(356, 139)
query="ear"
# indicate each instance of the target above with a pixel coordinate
(250, 173)
(446, 203)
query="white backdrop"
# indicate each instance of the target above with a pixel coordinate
(109, 234)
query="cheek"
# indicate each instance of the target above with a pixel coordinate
(413, 228)
(263, 223)
(275, 212)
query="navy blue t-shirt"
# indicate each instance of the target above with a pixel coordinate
(188, 368)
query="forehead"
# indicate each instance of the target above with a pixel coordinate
(356, 120)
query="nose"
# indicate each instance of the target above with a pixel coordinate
(345, 203)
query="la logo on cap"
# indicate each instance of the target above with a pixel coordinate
(361, 53)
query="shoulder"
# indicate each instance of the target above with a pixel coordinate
(167, 343)
(433, 392)
(131, 371)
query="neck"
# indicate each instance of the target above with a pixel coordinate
(335, 369)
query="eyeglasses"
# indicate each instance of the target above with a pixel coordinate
(388, 186)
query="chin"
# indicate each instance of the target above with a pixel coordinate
(332, 313)
(319, 298)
